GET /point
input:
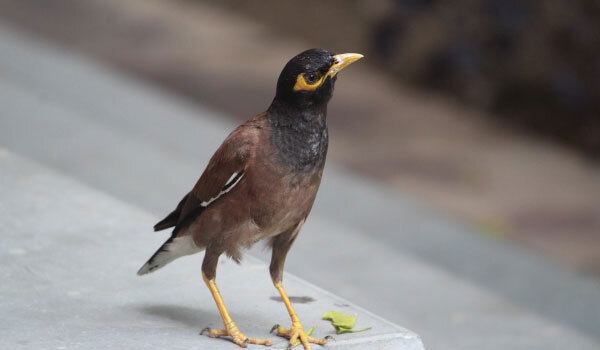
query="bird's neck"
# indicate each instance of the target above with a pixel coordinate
(300, 136)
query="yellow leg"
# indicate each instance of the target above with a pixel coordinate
(296, 331)
(230, 328)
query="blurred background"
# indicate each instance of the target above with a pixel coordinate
(485, 112)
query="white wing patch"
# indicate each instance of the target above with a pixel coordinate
(233, 180)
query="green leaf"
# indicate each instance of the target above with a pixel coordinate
(342, 323)
(338, 319)
(341, 331)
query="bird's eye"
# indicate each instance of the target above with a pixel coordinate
(308, 81)
(311, 78)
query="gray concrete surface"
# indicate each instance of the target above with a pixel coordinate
(391, 255)
(69, 256)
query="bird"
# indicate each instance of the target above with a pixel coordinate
(260, 184)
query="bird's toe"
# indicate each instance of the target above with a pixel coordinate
(297, 335)
(236, 336)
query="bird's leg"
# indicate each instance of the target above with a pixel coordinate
(296, 331)
(230, 327)
(281, 245)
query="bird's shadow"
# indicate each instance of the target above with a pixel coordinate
(192, 317)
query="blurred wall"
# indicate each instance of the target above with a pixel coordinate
(531, 63)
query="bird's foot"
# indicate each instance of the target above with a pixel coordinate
(237, 337)
(297, 333)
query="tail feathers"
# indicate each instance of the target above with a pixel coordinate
(173, 217)
(169, 221)
(173, 248)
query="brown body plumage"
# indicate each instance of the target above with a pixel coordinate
(268, 200)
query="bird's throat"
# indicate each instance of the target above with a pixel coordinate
(300, 137)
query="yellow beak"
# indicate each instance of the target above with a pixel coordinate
(342, 61)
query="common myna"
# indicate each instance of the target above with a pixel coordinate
(261, 183)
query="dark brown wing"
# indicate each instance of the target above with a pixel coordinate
(224, 170)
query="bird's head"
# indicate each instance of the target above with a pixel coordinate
(308, 79)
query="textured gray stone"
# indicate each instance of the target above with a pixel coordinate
(69, 256)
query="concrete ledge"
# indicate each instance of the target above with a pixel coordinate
(69, 257)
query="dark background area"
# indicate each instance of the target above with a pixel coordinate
(535, 64)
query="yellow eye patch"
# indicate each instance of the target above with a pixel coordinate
(302, 84)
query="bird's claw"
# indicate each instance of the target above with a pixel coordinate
(236, 336)
(295, 333)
